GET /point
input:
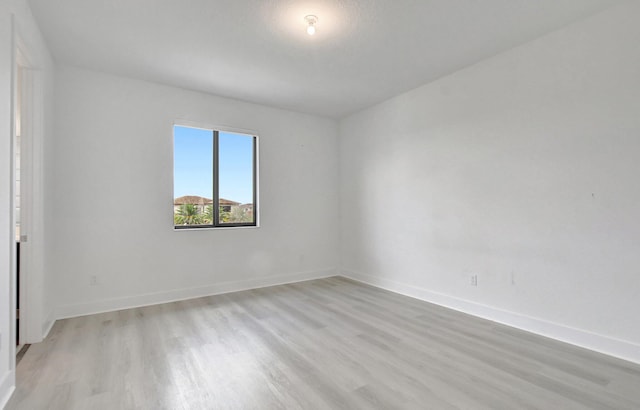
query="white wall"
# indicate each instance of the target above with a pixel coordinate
(522, 169)
(24, 30)
(113, 201)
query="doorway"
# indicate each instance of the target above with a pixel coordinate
(31, 91)
(18, 150)
(26, 120)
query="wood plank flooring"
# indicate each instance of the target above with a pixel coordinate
(324, 344)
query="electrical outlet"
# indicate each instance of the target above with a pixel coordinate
(474, 280)
(93, 280)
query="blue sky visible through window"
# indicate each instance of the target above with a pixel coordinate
(193, 164)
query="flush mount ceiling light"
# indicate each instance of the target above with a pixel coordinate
(311, 21)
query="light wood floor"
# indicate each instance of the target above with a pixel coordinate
(324, 344)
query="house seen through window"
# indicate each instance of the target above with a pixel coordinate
(214, 178)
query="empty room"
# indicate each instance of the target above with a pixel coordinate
(320, 204)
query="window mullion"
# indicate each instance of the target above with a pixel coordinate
(216, 182)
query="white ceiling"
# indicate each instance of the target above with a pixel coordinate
(364, 51)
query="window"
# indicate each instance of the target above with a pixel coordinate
(214, 178)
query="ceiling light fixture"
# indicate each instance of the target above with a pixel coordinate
(311, 21)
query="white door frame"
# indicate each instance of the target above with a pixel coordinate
(31, 196)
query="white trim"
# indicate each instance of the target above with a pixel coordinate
(7, 386)
(35, 278)
(603, 344)
(110, 305)
(11, 343)
(46, 326)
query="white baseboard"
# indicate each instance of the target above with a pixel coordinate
(47, 325)
(613, 347)
(110, 305)
(7, 386)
